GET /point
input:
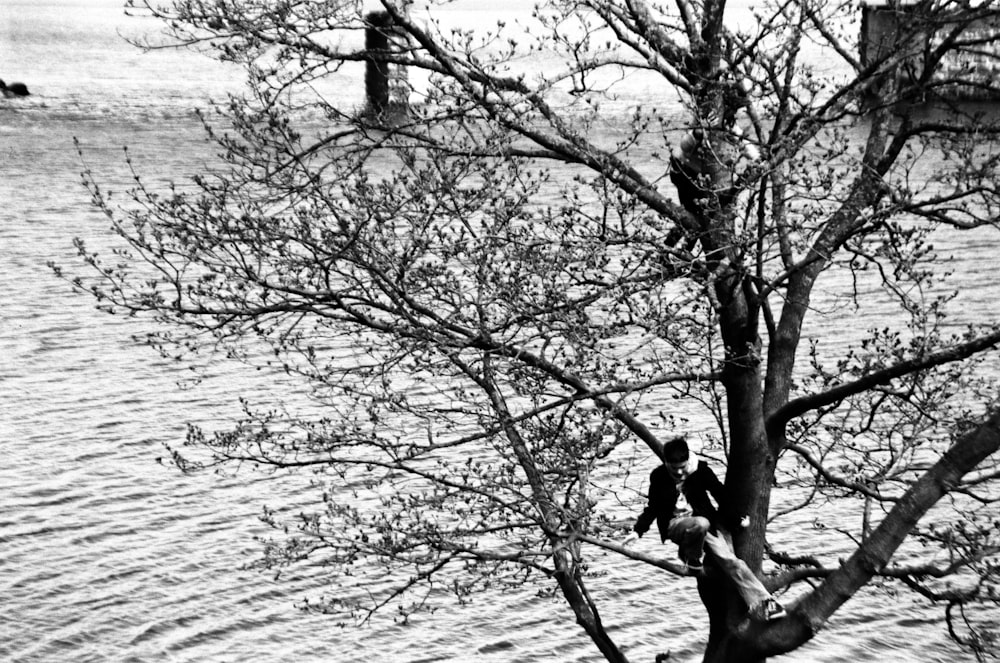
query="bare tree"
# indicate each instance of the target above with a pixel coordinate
(491, 298)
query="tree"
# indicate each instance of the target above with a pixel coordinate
(492, 296)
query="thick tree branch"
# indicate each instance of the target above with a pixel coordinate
(799, 406)
(874, 554)
(848, 219)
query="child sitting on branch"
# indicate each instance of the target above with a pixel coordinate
(681, 491)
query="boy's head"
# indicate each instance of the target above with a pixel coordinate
(675, 457)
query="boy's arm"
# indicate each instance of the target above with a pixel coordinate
(648, 515)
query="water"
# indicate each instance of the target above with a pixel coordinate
(108, 555)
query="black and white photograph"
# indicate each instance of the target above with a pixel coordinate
(500, 331)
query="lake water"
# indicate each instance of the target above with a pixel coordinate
(108, 555)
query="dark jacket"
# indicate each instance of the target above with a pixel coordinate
(697, 487)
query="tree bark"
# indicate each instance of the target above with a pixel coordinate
(751, 465)
(809, 615)
(726, 611)
(875, 553)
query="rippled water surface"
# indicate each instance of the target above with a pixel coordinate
(107, 554)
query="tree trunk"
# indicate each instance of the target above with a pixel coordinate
(726, 611)
(751, 462)
(730, 650)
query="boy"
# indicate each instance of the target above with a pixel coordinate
(679, 492)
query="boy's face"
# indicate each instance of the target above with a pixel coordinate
(678, 471)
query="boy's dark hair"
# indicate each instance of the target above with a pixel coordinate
(675, 451)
